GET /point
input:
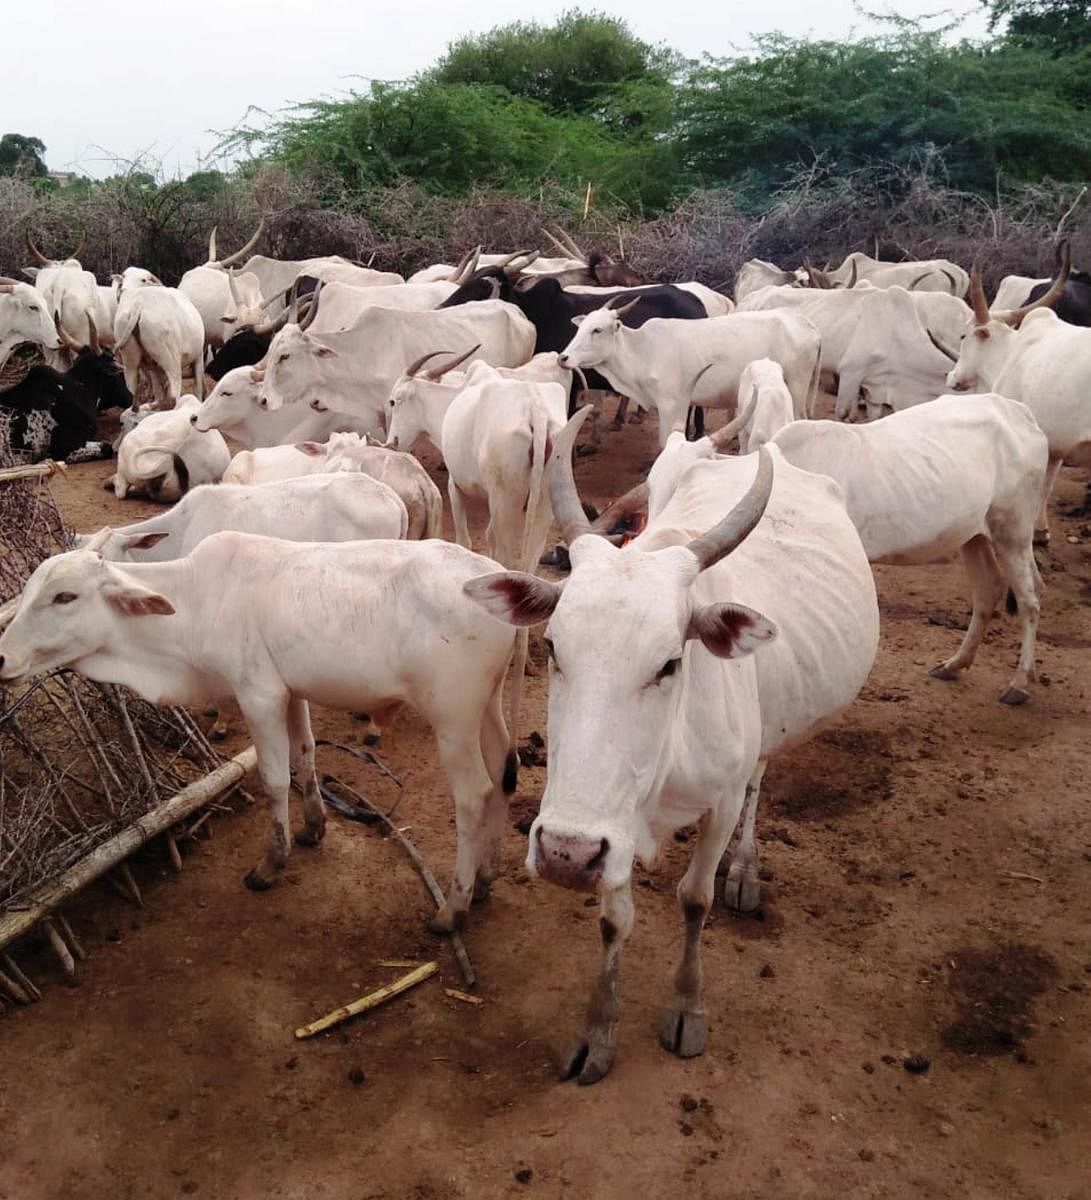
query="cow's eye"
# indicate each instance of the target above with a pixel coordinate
(33, 307)
(64, 597)
(668, 668)
(282, 358)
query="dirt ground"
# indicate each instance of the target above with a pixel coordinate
(926, 902)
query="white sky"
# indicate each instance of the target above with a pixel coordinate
(118, 78)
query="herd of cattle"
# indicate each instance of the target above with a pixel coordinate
(718, 612)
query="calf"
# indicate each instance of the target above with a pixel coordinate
(347, 625)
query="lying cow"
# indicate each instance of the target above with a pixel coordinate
(348, 625)
(319, 508)
(676, 673)
(164, 456)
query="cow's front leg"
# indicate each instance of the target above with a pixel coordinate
(591, 1054)
(301, 757)
(683, 1026)
(267, 720)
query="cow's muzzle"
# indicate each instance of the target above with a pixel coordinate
(570, 860)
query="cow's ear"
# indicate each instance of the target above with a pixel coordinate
(136, 601)
(514, 597)
(325, 352)
(229, 320)
(313, 449)
(730, 630)
(578, 318)
(31, 272)
(146, 542)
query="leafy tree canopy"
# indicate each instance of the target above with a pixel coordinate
(21, 155)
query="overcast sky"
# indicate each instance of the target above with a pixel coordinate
(120, 78)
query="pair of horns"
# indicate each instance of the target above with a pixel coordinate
(232, 258)
(437, 373)
(708, 549)
(565, 244)
(41, 259)
(71, 343)
(301, 313)
(1015, 316)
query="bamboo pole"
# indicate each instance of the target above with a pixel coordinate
(371, 1000)
(41, 470)
(107, 856)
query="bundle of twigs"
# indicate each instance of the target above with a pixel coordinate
(17, 365)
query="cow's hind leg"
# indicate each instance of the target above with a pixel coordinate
(591, 1054)
(683, 1026)
(501, 763)
(301, 758)
(1041, 523)
(1021, 573)
(460, 754)
(981, 568)
(268, 725)
(458, 513)
(742, 890)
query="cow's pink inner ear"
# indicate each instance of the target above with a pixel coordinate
(514, 597)
(731, 630)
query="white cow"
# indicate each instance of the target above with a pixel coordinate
(670, 364)
(226, 299)
(344, 303)
(164, 455)
(234, 408)
(157, 328)
(1031, 355)
(355, 370)
(763, 381)
(275, 625)
(928, 275)
(268, 464)
(24, 317)
(650, 729)
(70, 292)
(276, 275)
(1014, 290)
(757, 273)
(318, 508)
(875, 341)
(402, 472)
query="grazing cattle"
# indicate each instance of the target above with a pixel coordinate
(650, 729)
(54, 413)
(1030, 355)
(354, 371)
(929, 275)
(164, 456)
(401, 472)
(318, 508)
(235, 409)
(878, 344)
(275, 624)
(157, 329)
(70, 292)
(24, 317)
(669, 365)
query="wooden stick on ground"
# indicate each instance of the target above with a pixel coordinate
(24, 980)
(457, 945)
(105, 857)
(372, 1000)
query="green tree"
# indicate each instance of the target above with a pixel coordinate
(1058, 25)
(23, 156)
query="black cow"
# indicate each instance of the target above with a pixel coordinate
(550, 309)
(1074, 306)
(54, 414)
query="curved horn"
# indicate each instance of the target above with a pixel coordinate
(277, 323)
(38, 255)
(506, 262)
(62, 333)
(616, 304)
(436, 374)
(306, 321)
(8, 279)
(852, 277)
(212, 244)
(417, 363)
(562, 485)
(233, 290)
(1056, 290)
(470, 266)
(80, 248)
(557, 244)
(819, 279)
(528, 255)
(940, 346)
(234, 258)
(457, 272)
(722, 437)
(954, 281)
(721, 539)
(621, 510)
(573, 249)
(97, 540)
(977, 298)
(92, 337)
(918, 279)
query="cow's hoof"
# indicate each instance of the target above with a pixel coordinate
(1041, 537)
(257, 882)
(616, 425)
(1014, 696)
(445, 922)
(587, 1060)
(944, 672)
(309, 837)
(482, 888)
(742, 895)
(683, 1033)
(372, 739)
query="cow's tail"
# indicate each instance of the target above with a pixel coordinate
(128, 327)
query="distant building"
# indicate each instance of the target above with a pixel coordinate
(62, 178)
